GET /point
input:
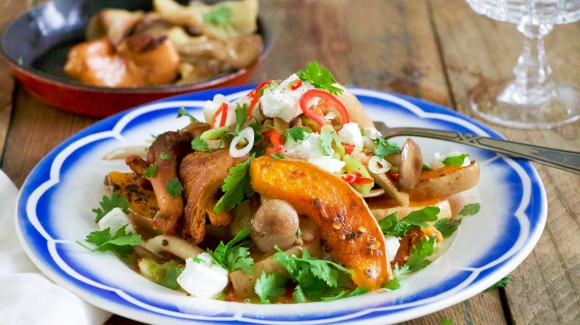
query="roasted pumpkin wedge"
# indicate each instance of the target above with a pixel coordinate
(348, 230)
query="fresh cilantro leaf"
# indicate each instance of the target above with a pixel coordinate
(165, 274)
(455, 160)
(272, 285)
(391, 227)
(319, 77)
(278, 156)
(197, 260)
(314, 279)
(241, 117)
(151, 171)
(446, 322)
(107, 204)
(174, 187)
(164, 156)
(419, 253)
(298, 295)
(184, 112)
(470, 209)
(425, 167)
(198, 144)
(220, 16)
(385, 147)
(235, 255)
(501, 283)
(395, 282)
(236, 187)
(447, 226)
(297, 133)
(326, 143)
(120, 242)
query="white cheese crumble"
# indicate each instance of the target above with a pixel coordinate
(282, 101)
(304, 149)
(350, 133)
(202, 278)
(392, 244)
(114, 220)
(327, 163)
(438, 158)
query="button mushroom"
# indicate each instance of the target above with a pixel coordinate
(275, 224)
(411, 165)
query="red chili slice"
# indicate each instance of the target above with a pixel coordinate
(356, 178)
(223, 110)
(319, 111)
(295, 84)
(277, 141)
(255, 96)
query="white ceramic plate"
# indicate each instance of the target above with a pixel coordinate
(54, 210)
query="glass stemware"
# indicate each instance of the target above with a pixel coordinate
(533, 99)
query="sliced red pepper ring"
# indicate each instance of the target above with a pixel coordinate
(295, 84)
(329, 104)
(255, 96)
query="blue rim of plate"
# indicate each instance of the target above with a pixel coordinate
(522, 224)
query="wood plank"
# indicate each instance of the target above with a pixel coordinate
(544, 288)
(36, 129)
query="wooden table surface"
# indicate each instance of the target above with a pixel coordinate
(432, 49)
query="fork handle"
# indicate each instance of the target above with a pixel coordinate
(562, 159)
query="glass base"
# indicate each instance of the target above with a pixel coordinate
(502, 104)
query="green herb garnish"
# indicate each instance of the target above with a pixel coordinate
(455, 160)
(174, 187)
(220, 16)
(235, 255)
(109, 203)
(470, 209)
(120, 242)
(391, 227)
(236, 187)
(319, 77)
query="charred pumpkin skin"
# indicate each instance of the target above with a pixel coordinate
(348, 230)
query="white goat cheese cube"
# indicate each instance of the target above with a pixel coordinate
(327, 163)
(114, 220)
(202, 278)
(282, 101)
(350, 133)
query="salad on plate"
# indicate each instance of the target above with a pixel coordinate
(288, 194)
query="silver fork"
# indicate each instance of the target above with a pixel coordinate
(562, 159)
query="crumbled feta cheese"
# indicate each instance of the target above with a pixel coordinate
(202, 278)
(350, 133)
(282, 101)
(392, 244)
(304, 149)
(327, 163)
(114, 220)
(438, 158)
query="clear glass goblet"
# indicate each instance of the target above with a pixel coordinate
(533, 99)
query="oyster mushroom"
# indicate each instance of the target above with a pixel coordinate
(275, 224)
(165, 152)
(411, 165)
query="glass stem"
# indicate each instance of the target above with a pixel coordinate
(532, 71)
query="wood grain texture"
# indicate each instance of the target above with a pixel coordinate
(476, 50)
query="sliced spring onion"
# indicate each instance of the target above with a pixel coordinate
(247, 136)
(378, 165)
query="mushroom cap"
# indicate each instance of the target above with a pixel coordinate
(274, 224)
(411, 165)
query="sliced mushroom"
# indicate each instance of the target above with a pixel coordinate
(386, 184)
(411, 165)
(113, 23)
(275, 224)
(174, 245)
